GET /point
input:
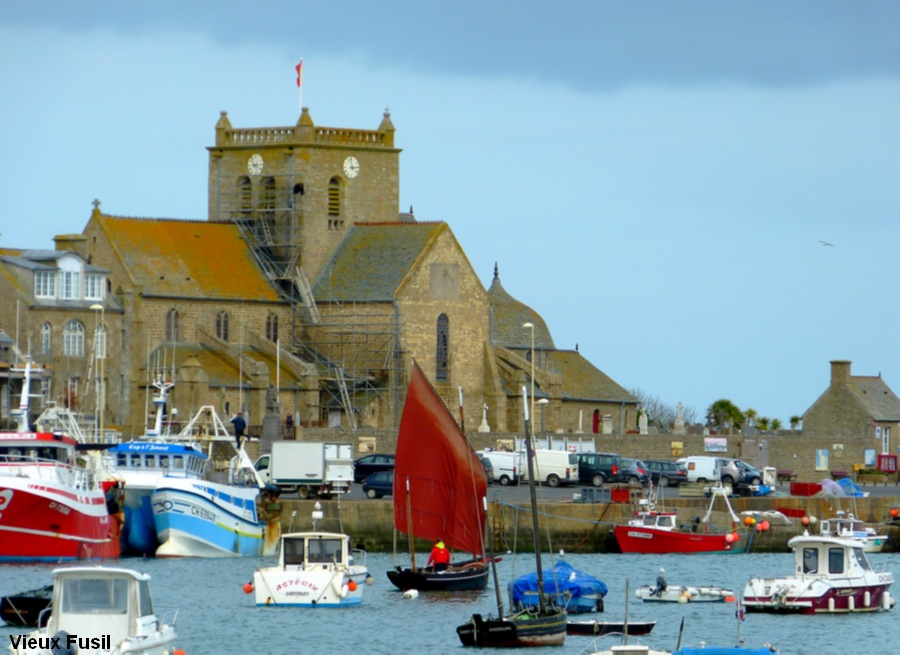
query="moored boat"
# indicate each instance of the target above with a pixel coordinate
(684, 594)
(315, 569)
(440, 487)
(26, 609)
(850, 527)
(831, 575)
(542, 625)
(657, 532)
(574, 590)
(98, 610)
(53, 504)
(601, 628)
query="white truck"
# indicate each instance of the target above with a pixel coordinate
(308, 468)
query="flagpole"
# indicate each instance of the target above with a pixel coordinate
(299, 69)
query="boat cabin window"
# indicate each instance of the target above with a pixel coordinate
(146, 608)
(324, 550)
(835, 560)
(164, 461)
(121, 460)
(810, 560)
(92, 596)
(666, 521)
(177, 462)
(150, 461)
(10, 454)
(861, 559)
(293, 551)
(649, 520)
(136, 461)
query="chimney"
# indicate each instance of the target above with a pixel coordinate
(840, 372)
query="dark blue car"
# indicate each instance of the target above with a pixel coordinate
(379, 484)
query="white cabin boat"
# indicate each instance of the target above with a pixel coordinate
(100, 610)
(850, 527)
(315, 569)
(831, 575)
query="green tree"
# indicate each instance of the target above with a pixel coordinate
(762, 423)
(750, 415)
(776, 424)
(795, 422)
(725, 413)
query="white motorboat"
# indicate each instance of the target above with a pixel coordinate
(850, 527)
(831, 575)
(684, 594)
(100, 610)
(315, 569)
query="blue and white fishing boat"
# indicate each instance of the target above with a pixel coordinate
(201, 518)
(575, 591)
(143, 464)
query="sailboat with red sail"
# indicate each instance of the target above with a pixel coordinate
(440, 490)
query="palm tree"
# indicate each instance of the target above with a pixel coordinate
(751, 415)
(762, 423)
(795, 422)
(776, 424)
(726, 413)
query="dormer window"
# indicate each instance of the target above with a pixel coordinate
(93, 287)
(70, 285)
(45, 284)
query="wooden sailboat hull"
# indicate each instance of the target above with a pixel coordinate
(467, 578)
(525, 629)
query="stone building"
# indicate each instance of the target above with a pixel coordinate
(306, 285)
(857, 405)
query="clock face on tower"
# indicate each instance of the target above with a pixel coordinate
(255, 164)
(351, 167)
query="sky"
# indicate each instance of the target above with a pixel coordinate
(655, 178)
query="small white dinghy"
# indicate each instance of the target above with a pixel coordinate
(684, 594)
(100, 610)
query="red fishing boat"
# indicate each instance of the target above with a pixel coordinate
(657, 532)
(440, 487)
(51, 507)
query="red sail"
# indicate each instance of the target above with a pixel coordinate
(447, 482)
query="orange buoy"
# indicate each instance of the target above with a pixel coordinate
(805, 520)
(351, 585)
(248, 587)
(765, 525)
(894, 512)
(759, 527)
(748, 520)
(729, 537)
(729, 599)
(179, 652)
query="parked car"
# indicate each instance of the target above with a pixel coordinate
(379, 484)
(369, 464)
(664, 473)
(749, 474)
(599, 468)
(634, 470)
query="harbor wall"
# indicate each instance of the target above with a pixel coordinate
(578, 527)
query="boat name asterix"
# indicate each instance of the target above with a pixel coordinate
(54, 644)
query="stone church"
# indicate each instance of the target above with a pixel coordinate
(306, 292)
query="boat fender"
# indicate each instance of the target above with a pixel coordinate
(831, 604)
(411, 593)
(867, 599)
(851, 603)
(369, 579)
(60, 638)
(351, 585)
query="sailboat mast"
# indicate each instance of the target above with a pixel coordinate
(534, 516)
(409, 531)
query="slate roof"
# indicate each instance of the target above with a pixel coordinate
(508, 315)
(582, 381)
(221, 368)
(876, 397)
(373, 260)
(187, 259)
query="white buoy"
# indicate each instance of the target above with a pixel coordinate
(867, 599)
(411, 593)
(831, 604)
(851, 603)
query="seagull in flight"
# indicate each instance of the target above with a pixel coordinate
(826, 243)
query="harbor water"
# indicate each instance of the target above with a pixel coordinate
(216, 617)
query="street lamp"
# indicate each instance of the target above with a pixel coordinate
(101, 358)
(543, 402)
(531, 326)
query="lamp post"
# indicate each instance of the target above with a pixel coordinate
(531, 327)
(543, 402)
(101, 358)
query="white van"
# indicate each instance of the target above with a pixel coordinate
(703, 468)
(553, 467)
(508, 466)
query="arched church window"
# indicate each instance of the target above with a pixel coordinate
(272, 327)
(73, 339)
(172, 325)
(442, 356)
(245, 191)
(222, 326)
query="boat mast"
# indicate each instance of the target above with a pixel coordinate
(534, 516)
(409, 529)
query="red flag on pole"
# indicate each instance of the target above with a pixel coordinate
(299, 68)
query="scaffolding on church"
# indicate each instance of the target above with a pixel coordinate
(355, 348)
